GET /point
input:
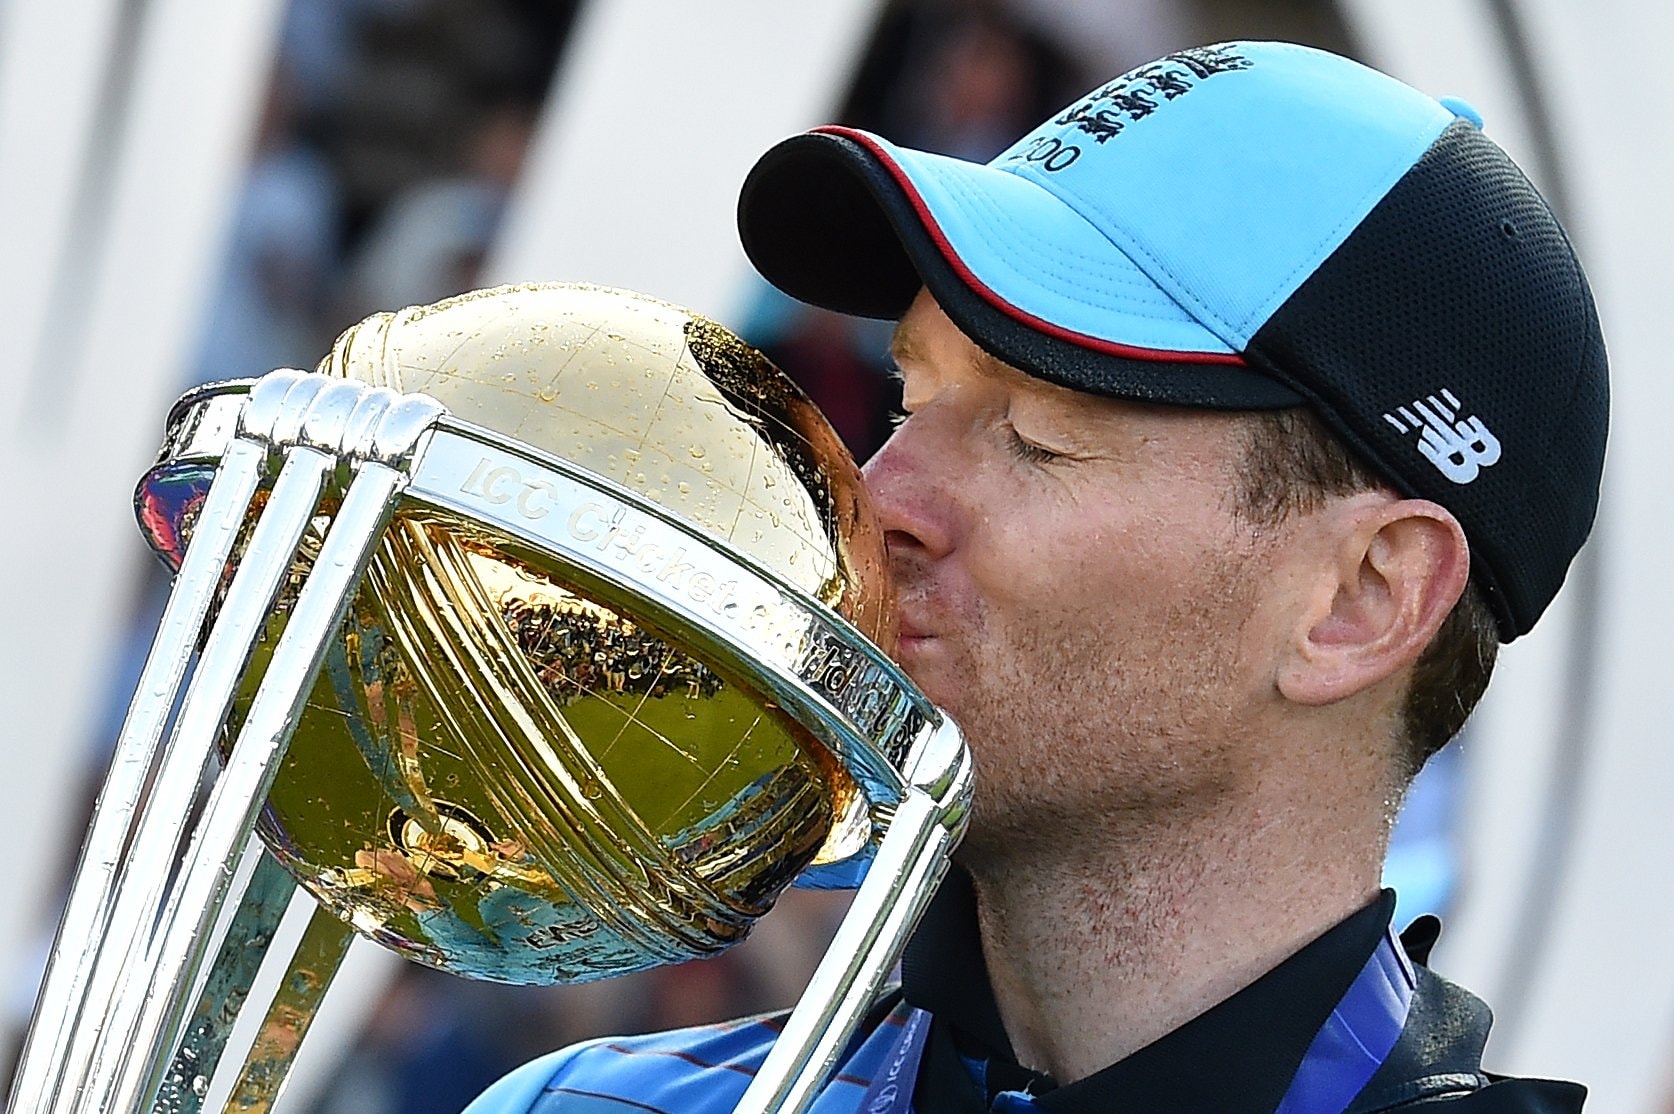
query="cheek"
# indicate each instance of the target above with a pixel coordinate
(1092, 566)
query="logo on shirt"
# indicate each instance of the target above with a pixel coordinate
(1459, 448)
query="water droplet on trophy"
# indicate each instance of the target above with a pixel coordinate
(603, 723)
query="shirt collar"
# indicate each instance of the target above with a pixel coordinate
(1236, 1057)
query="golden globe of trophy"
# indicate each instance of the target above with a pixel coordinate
(541, 634)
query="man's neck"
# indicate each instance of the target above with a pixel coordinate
(1100, 951)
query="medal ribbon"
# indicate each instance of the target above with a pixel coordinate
(1345, 1053)
(891, 1090)
(1357, 1037)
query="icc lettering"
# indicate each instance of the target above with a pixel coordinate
(626, 545)
(533, 498)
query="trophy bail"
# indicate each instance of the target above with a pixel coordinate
(538, 634)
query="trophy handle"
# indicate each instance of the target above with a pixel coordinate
(88, 909)
(306, 980)
(244, 949)
(111, 1031)
(911, 860)
(267, 894)
(131, 944)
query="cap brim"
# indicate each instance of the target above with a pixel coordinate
(844, 220)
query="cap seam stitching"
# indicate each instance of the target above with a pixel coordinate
(1203, 310)
(1147, 284)
(1073, 278)
(1226, 330)
(1270, 302)
(1078, 280)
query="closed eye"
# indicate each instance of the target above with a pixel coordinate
(1028, 450)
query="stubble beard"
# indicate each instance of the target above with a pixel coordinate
(1080, 734)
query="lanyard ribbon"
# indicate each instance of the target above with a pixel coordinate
(1357, 1037)
(1345, 1053)
(891, 1091)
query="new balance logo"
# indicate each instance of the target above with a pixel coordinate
(1459, 449)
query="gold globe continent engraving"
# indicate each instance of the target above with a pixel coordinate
(511, 771)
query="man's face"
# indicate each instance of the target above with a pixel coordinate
(1076, 589)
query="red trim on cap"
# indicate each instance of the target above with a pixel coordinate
(965, 274)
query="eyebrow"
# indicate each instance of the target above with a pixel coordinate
(901, 347)
(989, 364)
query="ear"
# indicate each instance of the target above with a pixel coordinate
(1388, 573)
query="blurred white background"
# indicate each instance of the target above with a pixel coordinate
(192, 189)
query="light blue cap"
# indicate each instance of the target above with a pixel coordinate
(1257, 160)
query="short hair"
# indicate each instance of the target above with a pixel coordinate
(1291, 465)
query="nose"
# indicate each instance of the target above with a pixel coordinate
(907, 480)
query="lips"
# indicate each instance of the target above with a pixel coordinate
(911, 640)
(912, 630)
(915, 607)
(915, 610)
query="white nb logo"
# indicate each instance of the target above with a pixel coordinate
(1459, 449)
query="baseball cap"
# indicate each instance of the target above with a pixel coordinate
(1249, 226)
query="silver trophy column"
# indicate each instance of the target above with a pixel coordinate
(130, 944)
(570, 689)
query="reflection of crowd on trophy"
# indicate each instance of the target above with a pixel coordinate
(581, 648)
(393, 133)
(937, 74)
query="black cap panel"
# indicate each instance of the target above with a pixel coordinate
(1452, 340)
(812, 224)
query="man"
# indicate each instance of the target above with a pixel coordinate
(1250, 402)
